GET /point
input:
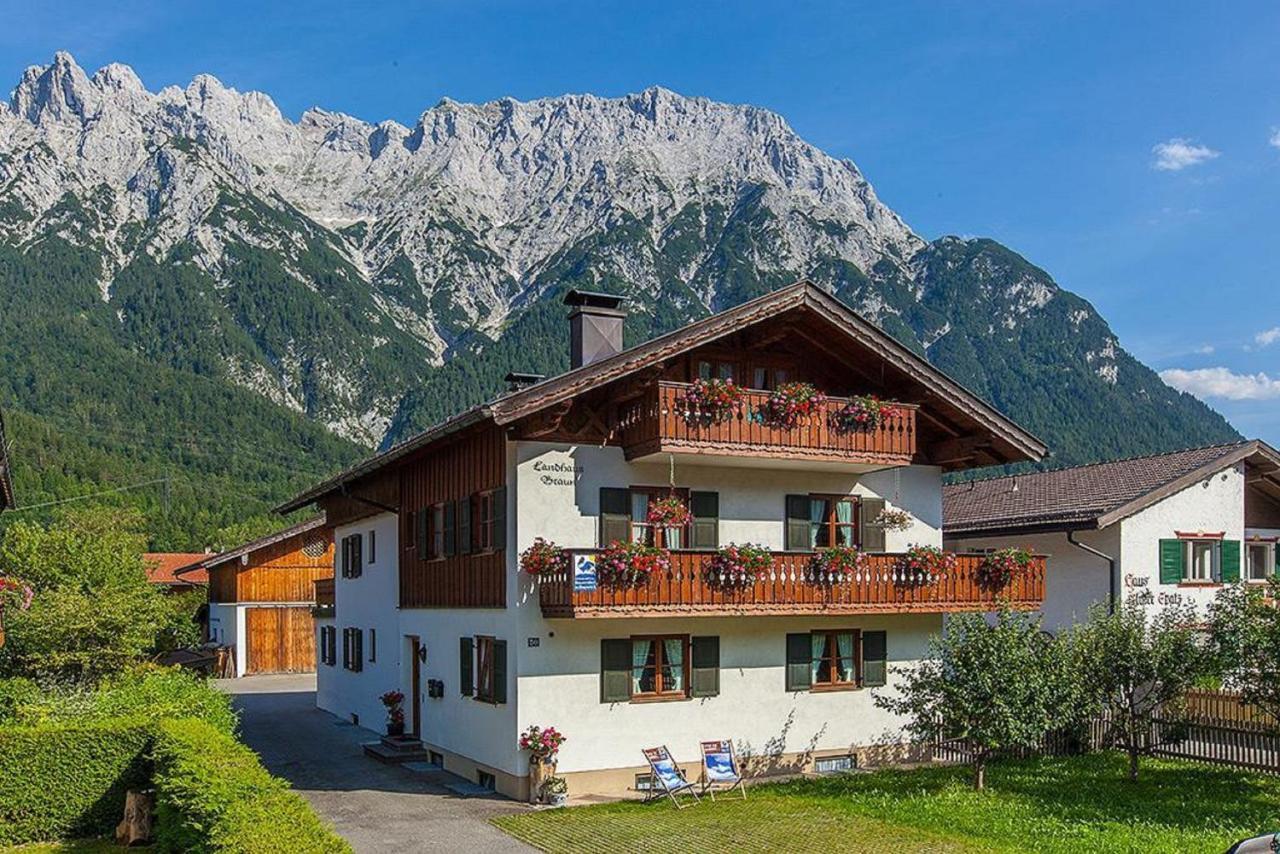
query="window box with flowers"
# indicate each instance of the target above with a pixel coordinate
(709, 401)
(735, 567)
(836, 564)
(792, 404)
(1000, 567)
(631, 564)
(867, 412)
(923, 565)
(543, 745)
(544, 557)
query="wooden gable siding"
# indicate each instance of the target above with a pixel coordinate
(281, 572)
(380, 489)
(473, 462)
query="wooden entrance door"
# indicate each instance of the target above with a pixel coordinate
(279, 640)
(415, 705)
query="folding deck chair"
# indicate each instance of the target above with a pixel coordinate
(720, 768)
(666, 778)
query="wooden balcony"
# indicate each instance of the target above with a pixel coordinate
(881, 589)
(653, 424)
(325, 600)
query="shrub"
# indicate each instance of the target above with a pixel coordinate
(213, 795)
(15, 694)
(67, 780)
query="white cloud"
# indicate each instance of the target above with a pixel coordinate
(1267, 337)
(1223, 383)
(1178, 153)
(1205, 350)
(1274, 142)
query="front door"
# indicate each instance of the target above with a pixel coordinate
(415, 704)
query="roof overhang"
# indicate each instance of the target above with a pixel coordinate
(260, 543)
(1017, 444)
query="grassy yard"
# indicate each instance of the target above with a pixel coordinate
(79, 846)
(1050, 805)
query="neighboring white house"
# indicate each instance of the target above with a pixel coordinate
(785, 667)
(1163, 529)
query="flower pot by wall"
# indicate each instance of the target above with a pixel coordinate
(538, 773)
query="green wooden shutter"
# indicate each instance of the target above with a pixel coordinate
(1171, 561)
(1276, 550)
(797, 530)
(798, 661)
(357, 555)
(705, 507)
(346, 557)
(499, 671)
(466, 666)
(870, 537)
(615, 670)
(499, 519)
(357, 653)
(704, 681)
(464, 526)
(1230, 561)
(450, 529)
(422, 533)
(875, 669)
(615, 515)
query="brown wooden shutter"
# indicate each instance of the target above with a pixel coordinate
(797, 531)
(615, 670)
(464, 525)
(704, 680)
(615, 515)
(705, 507)
(499, 540)
(870, 536)
(450, 529)
(1171, 561)
(875, 665)
(499, 671)
(466, 666)
(799, 656)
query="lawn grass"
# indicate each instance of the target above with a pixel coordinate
(1049, 804)
(78, 846)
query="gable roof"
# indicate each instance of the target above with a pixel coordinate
(162, 567)
(211, 561)
(1089, 496)
(801, 296)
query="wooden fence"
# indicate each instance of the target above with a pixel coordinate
(1222, 730)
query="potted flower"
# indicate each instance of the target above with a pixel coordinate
(791, 404)
(669, 512)
(13, 594)
(924, 565)
(543, 746)
(893, 519)
(544, 558)
(836, 563)
(709, 401)
(866, 412)
(394, 701)
(631, 563)
(738, 566)
(555, 791)
(1000, 567)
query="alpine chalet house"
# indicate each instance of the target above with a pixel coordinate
(648, 468)
(261, 596)
(1160, 530)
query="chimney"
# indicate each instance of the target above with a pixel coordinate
(595, 326)
(516, 380)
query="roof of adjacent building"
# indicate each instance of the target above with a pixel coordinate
(210, 561)
(7, 500)
(803, 295)
(163, 566)
(1094, 495)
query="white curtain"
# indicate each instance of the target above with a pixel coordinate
(641, 651)
(639, 516)
(844, 515)
(818, 648)
(844, 646)
(673, 673)
(817, 518)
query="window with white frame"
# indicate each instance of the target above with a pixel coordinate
(1260, 561)
(1201, 560)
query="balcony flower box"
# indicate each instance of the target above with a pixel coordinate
(631, 564)
(861, 413)
(1000, 567)
(791, 405)
(836, 564)
(709, 401)
(737, 566)
(543, 558)
(923, 565)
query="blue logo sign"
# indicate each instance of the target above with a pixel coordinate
(584, 572)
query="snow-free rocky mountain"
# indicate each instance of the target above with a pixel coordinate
(375, 277)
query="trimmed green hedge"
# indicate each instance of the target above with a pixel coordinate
(62, 781)
(213, 795)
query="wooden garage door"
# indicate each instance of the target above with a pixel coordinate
(280, 640)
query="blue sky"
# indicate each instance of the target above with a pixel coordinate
(1130, 149)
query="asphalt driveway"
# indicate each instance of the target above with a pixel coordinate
(375, 807)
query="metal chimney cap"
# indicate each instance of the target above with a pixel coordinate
(594, 299)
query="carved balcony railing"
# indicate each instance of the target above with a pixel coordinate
(654, 423)
(881, 587)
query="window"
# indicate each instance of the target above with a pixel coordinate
(1260, 561)
(1201, 560)
(624, 515)
(490, 668)
(658, 666)
(353, 649)
(373, 645)
(352, 554)
(484, 668)
(435, 547)
(490, 515)
(373, 546)
(328, 645)
(769, 379)
(833, 521)
(835, 659)
(715, 369)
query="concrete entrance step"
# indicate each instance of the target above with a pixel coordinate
(395, 755)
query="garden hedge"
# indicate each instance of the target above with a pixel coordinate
(63, 781)
(213, 795)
